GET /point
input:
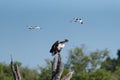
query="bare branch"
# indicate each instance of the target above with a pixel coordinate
(53, 67)
(57, 69)
(18, 72)
(60, 68)
(68, 76)
(15, 70)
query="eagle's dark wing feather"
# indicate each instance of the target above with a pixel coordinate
(52, 50)
(66, 40)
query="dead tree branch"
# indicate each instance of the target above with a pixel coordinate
(15, 70)
(57, 69)
(68, 76)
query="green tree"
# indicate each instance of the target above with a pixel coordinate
(111, 64)
(78, 60)
(97, 57)
(45, 72)
(116, 74)
(28, 74)
(5, 72)
(87, 67)
(100, 74)
(81, 62)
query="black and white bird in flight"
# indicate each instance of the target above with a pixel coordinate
(57, 47)
(34, 27)
(77, 20)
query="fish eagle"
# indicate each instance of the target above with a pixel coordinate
(57, 47)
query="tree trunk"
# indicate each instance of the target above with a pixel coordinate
(57, 69)
(15, 71)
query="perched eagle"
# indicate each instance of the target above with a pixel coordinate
(57, 47)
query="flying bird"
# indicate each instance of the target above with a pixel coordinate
(77, 20)
(34, 27)
(57, 47)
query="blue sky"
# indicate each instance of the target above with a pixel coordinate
(99, 31)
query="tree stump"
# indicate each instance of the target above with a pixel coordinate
(57, 69)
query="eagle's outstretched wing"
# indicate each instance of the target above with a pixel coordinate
(53, 48)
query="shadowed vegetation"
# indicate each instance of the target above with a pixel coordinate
(96, 65)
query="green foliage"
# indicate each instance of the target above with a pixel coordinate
(66, 70)
(87, 67)
(82, 62)
(28, 74)
(45, 72)
(95, 66)
(78, 60)
(100, 74)
(116, 74)
(111, 64)
(97, 57)
(81, 76)
(5, 72)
